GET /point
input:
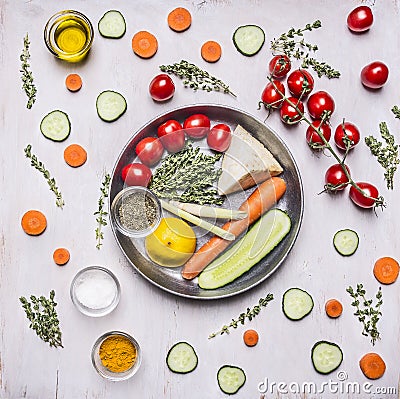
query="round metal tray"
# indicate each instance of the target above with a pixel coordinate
(170, 279)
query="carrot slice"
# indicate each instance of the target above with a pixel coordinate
(386, 270)
(61, 256)
(211, 51)
(373, 366)
(75, 155)
(179, 19)
(250, 337)
(333, 308)
(73, 82)
(33, 222)
(144, 44)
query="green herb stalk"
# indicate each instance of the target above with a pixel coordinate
(27, 78)
(101, 213)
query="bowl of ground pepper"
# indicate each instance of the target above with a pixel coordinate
(116, 356)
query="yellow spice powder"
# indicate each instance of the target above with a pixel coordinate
(117, 353)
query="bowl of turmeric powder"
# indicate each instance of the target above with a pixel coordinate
(116, 356)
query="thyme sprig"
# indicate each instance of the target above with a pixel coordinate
(293, 44)
(195, 77)
(38, 165)
(41, 312)
(396, 111)
(27, 77)
(387, 156)
(101, 213)
(367, 313)
(250, 314)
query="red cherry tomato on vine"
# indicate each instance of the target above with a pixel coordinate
(197, 126)
(219, 138)
(360, 199)
(319, 103)
(374, 75)
(172, 135)
(161, 88)
(136, 174)
(149, 150)
(289, 113)
(360, 19)
(312, 137)
(271, 96)
(300, 83)
(335, 178)
(279, 66)
(346, 129)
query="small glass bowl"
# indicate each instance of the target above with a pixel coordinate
(89, 311)
(119, 201)
(104, 371)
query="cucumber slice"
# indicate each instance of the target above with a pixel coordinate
(346, 242)
(248, 39)
(260, 240)
(56, 126)
(112, 25)
(326, 357)
(110, 105)
(230, 379)
(182, 358)
(296, 303)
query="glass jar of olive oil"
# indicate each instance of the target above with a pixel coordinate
(69, 35)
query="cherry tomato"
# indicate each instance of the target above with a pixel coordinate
(136, 174)
(289, 113)
(219, 138)
(312, 137)
(374, 75)
(161, 88)
(300, 83)
(360, 19)
(271, 96)
(149, 150)
(279, 66)
(319, 103)
(360, 199)
(346, 129)
(172, 135)
(335, 178)
(197, 126)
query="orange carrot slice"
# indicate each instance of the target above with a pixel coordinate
(33, 222)
(211, 51)
(75, 155)
(250, 337)
(73, 82)
(179, 19)
(373, 366)
(61, 256)
(144, 44)
(386, 270)
(333, 308)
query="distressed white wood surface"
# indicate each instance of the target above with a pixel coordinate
(28, 367)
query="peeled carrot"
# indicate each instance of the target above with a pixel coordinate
(211, 51)
(373, 366)
(61, 256)
(263, 198)
(179, 19)
(75, 155)
(333, 308)
(73, 82)
(144, 44)
(386, 270)
(250, 337)
(33, 222)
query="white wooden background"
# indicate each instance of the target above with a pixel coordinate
(28, 367)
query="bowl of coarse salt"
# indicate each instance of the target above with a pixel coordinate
(95, 291)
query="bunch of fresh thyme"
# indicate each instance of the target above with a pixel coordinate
(195, 77)
(367, 313)
(188, 176)
(38, 165)
(300, 50)
(101, 213)
(27, 77)
(249, 314)
(41, 312)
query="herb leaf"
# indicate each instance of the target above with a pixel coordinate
(27, 77)
(101, 213)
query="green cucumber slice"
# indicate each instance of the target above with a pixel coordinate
(326, 357)
(112, 25)
(297, 303)
(346, 242)
(56, 126)
(230, 379)
(249, 39)
(260, 240)
(182, 358)
(110, 105)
